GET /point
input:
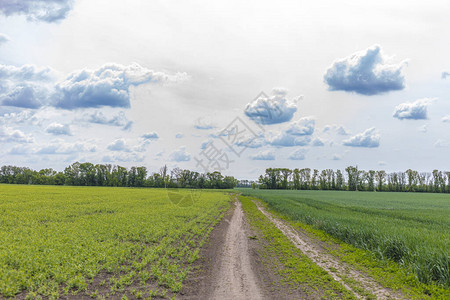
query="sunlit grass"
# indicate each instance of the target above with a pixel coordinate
(411, 229)
(57, 240)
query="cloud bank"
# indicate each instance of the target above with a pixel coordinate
(365, 73)
(106, 86)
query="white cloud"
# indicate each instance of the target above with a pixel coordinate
(204, 123)
(180, 155)
(287, 140)
(23, 117)
(317, 142)
(444, 75)
(446, 119)
(441, 143)
(59, 129)
(264, 155)
(62, 147)
(150, 136)
(251, 142)
(298, 155)
(273, 109)
(26, 86)
(106, 86)
(416, 110)
(11, 135)
(22, 149)
(119, 145)
(205, 143)
(3, 38)
(423, 128)
(179, 136)
(339, 129)
(30, 73)
(365, 73)
(304, 126)
(370, 138)
(336, 157)
(123, 157)
(37, 10)
(119, 119)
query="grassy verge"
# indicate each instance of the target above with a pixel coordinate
(297, 269)
(388, 273)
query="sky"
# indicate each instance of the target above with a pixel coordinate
(233, 86)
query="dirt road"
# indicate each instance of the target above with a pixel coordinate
(235, 278)
(231, 266)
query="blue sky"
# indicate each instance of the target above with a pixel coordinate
(319, 84)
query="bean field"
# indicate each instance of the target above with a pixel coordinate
(101, 242)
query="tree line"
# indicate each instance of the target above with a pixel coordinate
(88, 174)
(353, 179)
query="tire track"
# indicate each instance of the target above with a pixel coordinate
(336, 268)
(235, 278)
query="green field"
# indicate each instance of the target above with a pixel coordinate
(412, 229)
(102, 242)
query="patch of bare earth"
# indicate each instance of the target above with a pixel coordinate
(230, 265)
(339, 270)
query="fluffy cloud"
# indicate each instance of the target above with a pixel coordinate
(22, 96)
(365, 73)
(180, 155)
(59, 129)
(29, 73)
(25, 86)
(150, 136)
(298, 155)
(416, 110)
(444, 75)
(251, 142)
(446, 119)
(368, 139)
(37, 10)
(264, 155)
(118, 145)
(106, 86)
(271, 110)
(3, 38)
(340, 130)
(119, 120)
(283, 139)
(179, 136)
(204, 123)
(304, 126)
(23, 117)
(317, 143)
(10, 135)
